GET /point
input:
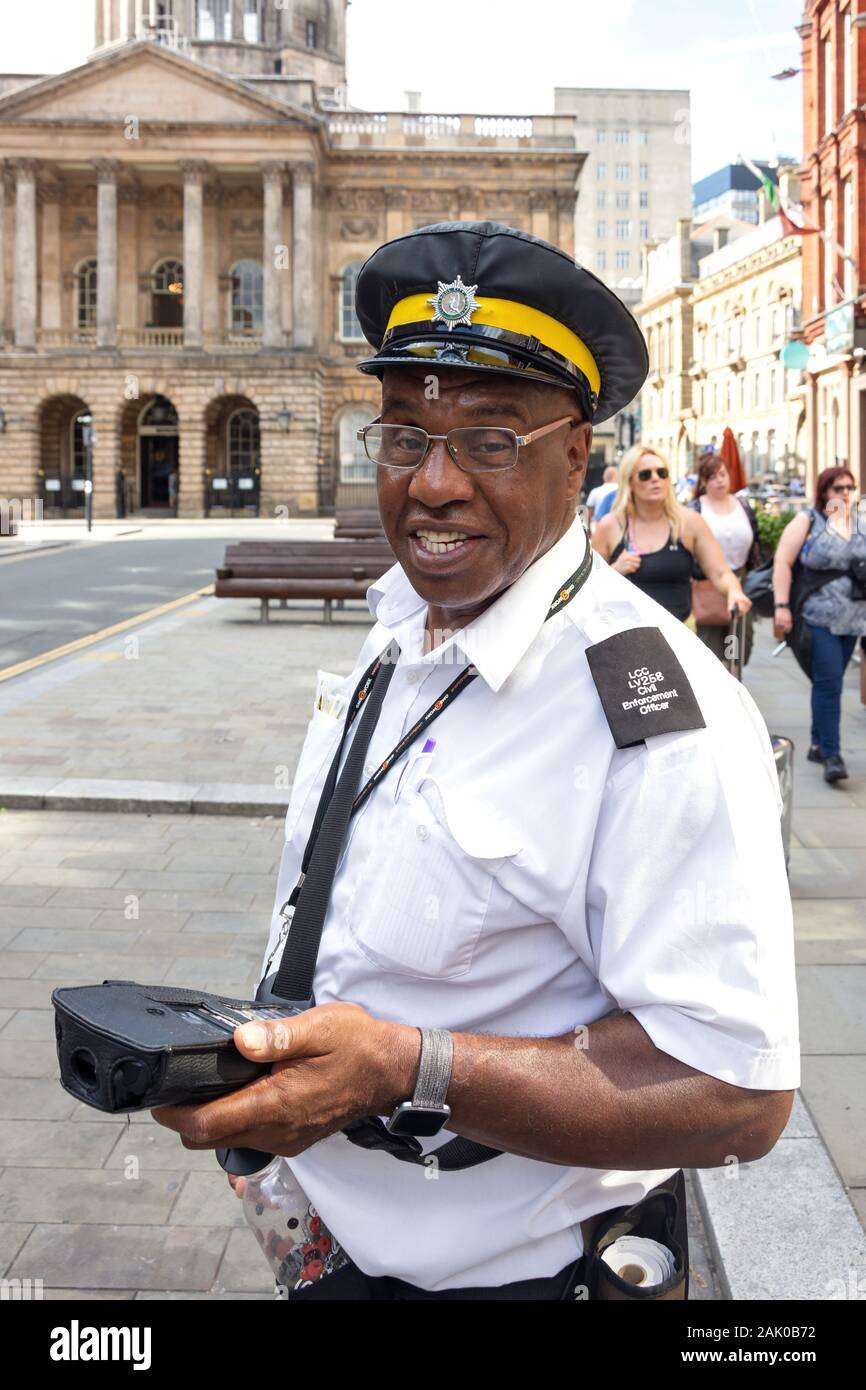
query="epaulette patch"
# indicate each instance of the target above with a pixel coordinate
(642, 686)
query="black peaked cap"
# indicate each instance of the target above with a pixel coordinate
(503, 264)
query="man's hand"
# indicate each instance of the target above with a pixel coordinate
(331, 1065)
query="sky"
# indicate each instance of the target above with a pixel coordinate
(506, 56)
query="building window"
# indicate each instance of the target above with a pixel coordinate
(214, 19)
(643, 172)
(623, 260)
(600, 137)
(644, 230)
(601, 198)
(601, 260)
(848, 216)
(829, 84)
(623, 230)
(166, 297)
(775, 323)
(644, 200)
(623, 198)
(622, 137)
(643, 137)
(623, 172)
(601, 171)
(85, 297)
(244, 442)
(350, 328)
(828, 253)
(247, 297)
(252, 26)
(355, 467)
(312, 32)
(848, 41)
(757, 331)
(601, 228)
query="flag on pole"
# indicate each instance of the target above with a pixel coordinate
(789, 227)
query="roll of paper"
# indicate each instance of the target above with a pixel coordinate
(640, 1261)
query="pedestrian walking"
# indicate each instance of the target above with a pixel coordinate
(653, 540)
(504, 830)
(598, 494)
(734, 526)
(824, 613)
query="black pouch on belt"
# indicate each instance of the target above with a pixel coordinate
(661, 1216)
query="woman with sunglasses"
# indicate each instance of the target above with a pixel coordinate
(827, 541)
(653, 541)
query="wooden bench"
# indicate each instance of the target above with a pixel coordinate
(358, 523)
(279, 570)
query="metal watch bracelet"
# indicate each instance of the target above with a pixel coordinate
(434, 1070)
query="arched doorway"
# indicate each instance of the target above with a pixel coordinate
(233, 467)
(158, 456)
(65, 453)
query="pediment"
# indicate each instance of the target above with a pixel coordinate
(149, 82)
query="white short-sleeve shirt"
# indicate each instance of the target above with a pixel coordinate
(526, 877)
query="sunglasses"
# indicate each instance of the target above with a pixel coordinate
(644, 474)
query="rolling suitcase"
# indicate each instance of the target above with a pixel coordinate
(783, 748)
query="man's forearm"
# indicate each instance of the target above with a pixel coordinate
(604, 1097)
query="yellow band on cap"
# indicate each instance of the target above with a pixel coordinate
(515, 318)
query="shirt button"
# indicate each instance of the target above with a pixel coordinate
(369, 769)
(412, 677)
(422, 832)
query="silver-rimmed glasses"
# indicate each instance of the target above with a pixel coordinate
(474, 448)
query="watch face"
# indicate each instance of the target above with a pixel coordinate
(421, 1124)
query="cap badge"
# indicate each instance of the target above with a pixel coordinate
(455, 303)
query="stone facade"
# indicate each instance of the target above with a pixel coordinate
(719, 301)
(178, 249)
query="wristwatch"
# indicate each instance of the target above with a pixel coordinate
(781, 605)
(426, 1113)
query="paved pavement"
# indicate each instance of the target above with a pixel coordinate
(186, 899)
(64, 584)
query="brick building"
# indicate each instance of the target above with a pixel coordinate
(181, 223)
(833, 189)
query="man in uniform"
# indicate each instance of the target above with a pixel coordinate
(556, 961)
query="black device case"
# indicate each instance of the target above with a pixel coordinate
(124, 1046)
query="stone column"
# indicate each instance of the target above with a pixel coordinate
(302, 255)
(5, 188)
(106, 252)
(194, 171)
(273, 177)
(50, 271)
(24, 278)
(237, 20)
(127, 19)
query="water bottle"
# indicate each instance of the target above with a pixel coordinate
(293, 1237)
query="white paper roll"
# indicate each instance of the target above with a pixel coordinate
(640, 1261)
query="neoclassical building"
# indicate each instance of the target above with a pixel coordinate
(182, 220)
(720, 300)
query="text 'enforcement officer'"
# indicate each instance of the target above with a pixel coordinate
(556, 955)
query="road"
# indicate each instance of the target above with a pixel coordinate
(53, 597)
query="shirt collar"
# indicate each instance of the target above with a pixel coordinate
(496, 640)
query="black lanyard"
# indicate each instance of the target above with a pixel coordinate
(563, 596)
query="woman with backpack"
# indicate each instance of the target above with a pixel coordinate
(829, 603)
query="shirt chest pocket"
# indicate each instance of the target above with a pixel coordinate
(424, 891)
